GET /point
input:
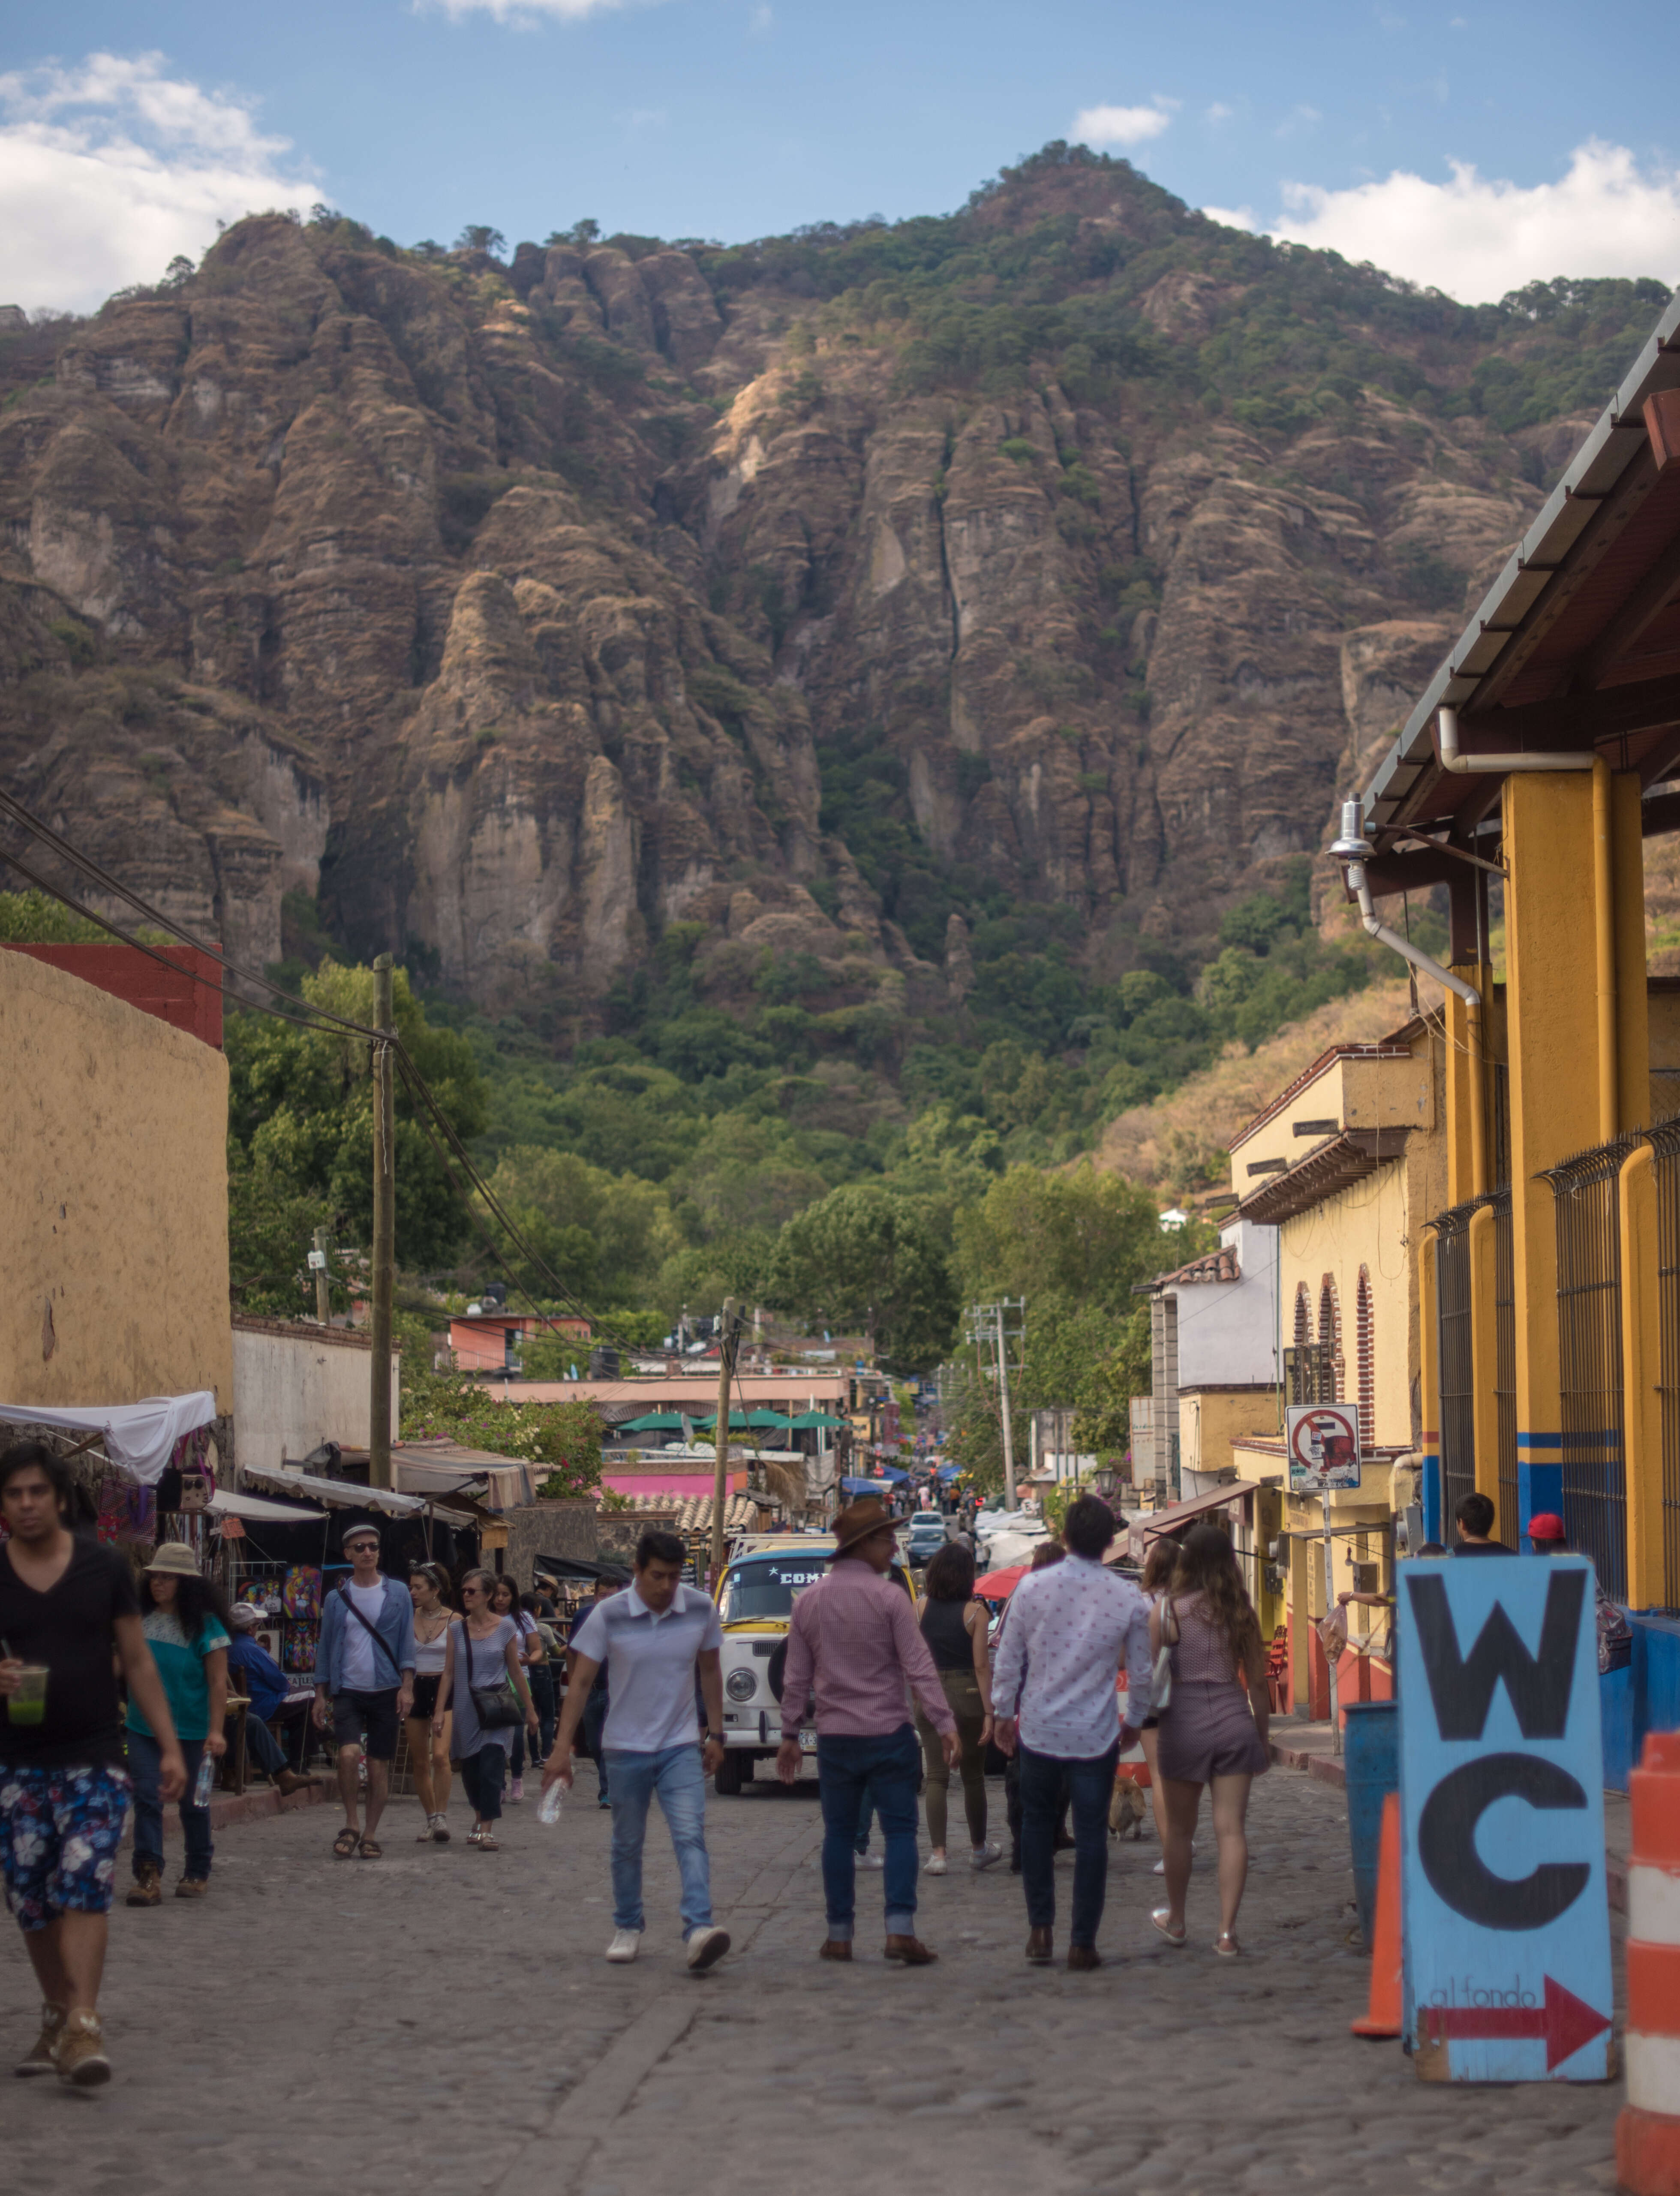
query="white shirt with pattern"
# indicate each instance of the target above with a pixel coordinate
(1068, 1629)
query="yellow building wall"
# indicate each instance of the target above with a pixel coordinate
(1363, 1225)
(113, 1201)
(1210, 1420)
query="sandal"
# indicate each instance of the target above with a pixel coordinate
(1227, 1946)
(371, 1850)
(486, 1843)
(346, 1843)
(1174, 1937)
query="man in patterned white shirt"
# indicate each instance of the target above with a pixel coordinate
(1069, 1629)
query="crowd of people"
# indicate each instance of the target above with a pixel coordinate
(136, 1684)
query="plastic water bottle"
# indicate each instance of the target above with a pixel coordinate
(203, 1782)
(550, 1810)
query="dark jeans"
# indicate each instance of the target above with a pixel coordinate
(481, 1775)
(541, 1682)
(1090, 1784)
(885, 1771)
(262, 1747)
(144, 1761)
(594, 1723)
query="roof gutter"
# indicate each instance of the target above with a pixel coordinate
(1497, 766)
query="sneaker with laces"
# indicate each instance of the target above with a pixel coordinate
(937, 1865)
(986, 1856)
(870, 1860)
(439, 1829)
(626, 1944)
(706, 1947)
(80, 2059)
(44, 2057)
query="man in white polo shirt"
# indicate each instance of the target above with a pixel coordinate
(653, 1638)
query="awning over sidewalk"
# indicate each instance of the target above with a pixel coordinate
(1151, 1524)
(225, 1504)
(336, 1494)
(138, 1436)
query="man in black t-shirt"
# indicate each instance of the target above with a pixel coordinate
(66, 1604)
(1475, 1517)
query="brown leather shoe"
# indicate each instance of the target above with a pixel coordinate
(81, 2059)
(1040, 1949)
(147, 1889)
(834, 1948)
(289, 1781)
(1083, 1958)
(910, 1952)
(192, 1887)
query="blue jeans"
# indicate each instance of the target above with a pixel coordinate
(676, 1776)
(594, 1723)
(1090, 1783)
(145, 1761)
(854, 1770)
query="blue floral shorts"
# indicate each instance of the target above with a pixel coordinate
(60, 1829)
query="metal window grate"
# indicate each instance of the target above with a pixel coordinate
(1309, 1373)
(1590, 1353)
(1504, 1375)
(1665, 1152)
(1501, 1154)
(1457, 1382)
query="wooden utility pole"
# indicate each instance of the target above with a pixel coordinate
(720, 1470)
(323, 1279)
(384, 1228)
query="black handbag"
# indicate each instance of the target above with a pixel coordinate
(496, 1707)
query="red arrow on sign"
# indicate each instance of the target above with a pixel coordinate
(1565, 2022)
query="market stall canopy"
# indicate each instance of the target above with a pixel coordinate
(947, 1470)
(652, 1422)
(224, 1503)
(140, 1438)
(807, 1420)
(866, 1486)
(336, 1493)
(445, 1467)
(769, 1421)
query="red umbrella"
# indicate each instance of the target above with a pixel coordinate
(998, 1586)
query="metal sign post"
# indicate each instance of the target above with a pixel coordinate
(1504, 1903)
(1323, 1455)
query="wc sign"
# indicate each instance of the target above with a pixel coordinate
(1507, 1922)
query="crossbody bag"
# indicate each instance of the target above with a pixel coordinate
(350, 1610)
(1161, 1678)
(497, 1706)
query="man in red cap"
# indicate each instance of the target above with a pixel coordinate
(853, 1642)
(1547, 1537)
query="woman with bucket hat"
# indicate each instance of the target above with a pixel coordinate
(186, 1624)
(853, 1643)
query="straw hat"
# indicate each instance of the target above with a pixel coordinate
(860, 1522)
(175, 1559)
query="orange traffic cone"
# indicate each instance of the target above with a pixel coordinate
(1384, 2019)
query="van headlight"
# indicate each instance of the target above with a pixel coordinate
(741, 1684)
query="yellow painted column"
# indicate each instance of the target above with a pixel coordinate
(1462, 1061)
(1642, 1371)
(1302, 1555)
(1428, 1385)
(1552, 1039)
(1633, 1029)
(1485, 1354)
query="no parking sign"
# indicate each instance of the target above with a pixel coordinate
(1506, 1914)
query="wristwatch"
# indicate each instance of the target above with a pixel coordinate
(714, 1737)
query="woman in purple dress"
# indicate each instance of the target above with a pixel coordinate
(1213, 1730)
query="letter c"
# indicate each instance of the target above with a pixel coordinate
(1446, 1843)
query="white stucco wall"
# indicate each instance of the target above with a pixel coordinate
(1228, 1330)
(296, 1386)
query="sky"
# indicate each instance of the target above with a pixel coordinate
(1470, 147)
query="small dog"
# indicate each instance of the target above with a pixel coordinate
(1127, 1810)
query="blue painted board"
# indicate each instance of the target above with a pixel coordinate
(1506, 1915)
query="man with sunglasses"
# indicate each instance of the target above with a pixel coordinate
(365, 1665)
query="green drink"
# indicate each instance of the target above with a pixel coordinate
(27, 1703)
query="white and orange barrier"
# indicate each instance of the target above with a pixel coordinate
(1648, 2131)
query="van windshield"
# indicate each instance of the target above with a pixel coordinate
(765, 1586)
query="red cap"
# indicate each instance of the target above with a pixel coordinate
(1547, 1526)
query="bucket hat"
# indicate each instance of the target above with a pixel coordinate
(176, 1560)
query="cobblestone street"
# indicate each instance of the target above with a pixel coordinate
(446, 2017)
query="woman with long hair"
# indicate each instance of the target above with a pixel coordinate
(187, 1628)
(507, 1601)
(955, 1624)
(1213, 1730)
(429, 1750)
(481, 1655)
(1157, 1569)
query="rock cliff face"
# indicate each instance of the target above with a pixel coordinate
(515, 609)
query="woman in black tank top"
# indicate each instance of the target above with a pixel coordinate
(955, 1624)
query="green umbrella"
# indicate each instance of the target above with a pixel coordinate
(736, 1418)
(808, 1419)
(655, 1422)
(770, 1421)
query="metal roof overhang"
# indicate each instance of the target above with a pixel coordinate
(1326, 1170)
(1576, 643)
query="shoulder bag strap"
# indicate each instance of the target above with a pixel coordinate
(350, 1607)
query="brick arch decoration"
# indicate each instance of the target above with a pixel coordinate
(1364, 1344)
(1303, 1316)
(1330, 1335)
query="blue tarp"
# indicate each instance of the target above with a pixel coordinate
(865, 1486)
(894, 1472)
(948, 1471)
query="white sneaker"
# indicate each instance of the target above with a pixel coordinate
(626, 1944)
(705, 1948)
(986, 1856)
(870, 1860)
(1160, 1867)
(937, 1865)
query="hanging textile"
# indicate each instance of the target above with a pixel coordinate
(139, 1436)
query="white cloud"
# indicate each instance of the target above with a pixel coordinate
(1123, 125)
(1477, 238)
(110, 168)
(1219, 112)
(762, 21)
(522, 14)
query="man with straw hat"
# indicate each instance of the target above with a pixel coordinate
(853, 1643)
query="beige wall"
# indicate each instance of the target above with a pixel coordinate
(113, 1202)
(296, 1385)
(1211, 1419)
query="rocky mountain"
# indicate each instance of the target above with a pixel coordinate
(837, 594)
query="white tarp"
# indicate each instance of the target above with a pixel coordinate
(335, 1493)
(224, 1505)
(138, 1436)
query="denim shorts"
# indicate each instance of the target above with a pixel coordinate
(367, 1720)
(60, 1829)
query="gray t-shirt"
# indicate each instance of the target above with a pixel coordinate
(651, 1664)
(482, 1662)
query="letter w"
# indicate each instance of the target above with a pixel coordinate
(1539, 1687)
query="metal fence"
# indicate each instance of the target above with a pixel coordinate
(1504, 1356)
(1665, 1152)
(1590, 1353)
(1457, 1377)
